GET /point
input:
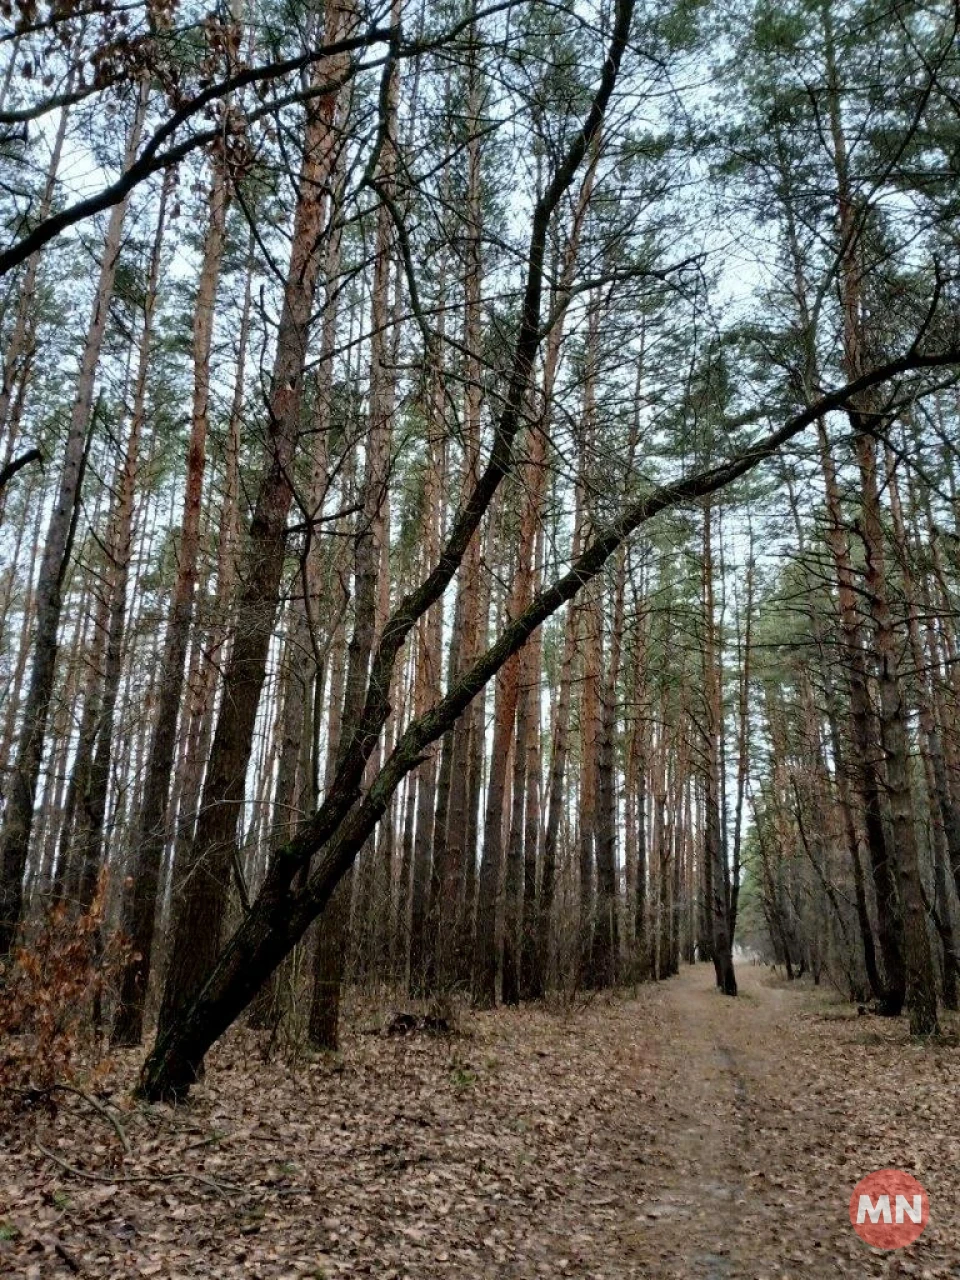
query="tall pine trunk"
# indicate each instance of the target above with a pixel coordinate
(18, 818)
(140, 902)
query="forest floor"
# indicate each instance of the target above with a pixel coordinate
(673, 1134)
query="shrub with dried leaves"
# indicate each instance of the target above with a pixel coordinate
(51, 994)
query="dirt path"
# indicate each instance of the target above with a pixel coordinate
(766, 1112)
(677, 1134)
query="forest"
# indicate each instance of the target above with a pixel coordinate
(479, 538)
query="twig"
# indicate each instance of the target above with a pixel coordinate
(222, 1188)
(98, 1107)
(95, 1177)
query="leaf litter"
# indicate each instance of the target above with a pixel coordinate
(675, 1133)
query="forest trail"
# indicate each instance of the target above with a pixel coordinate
(768, 1109)
(708, 1210)
(725, 1122)
(674, 1135)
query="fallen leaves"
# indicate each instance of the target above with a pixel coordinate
(674, 1135)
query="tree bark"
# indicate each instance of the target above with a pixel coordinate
(719, 875)
(140, 902)
(90, 835)
(198, 919)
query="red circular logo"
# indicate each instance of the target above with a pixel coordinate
(889, 1209)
